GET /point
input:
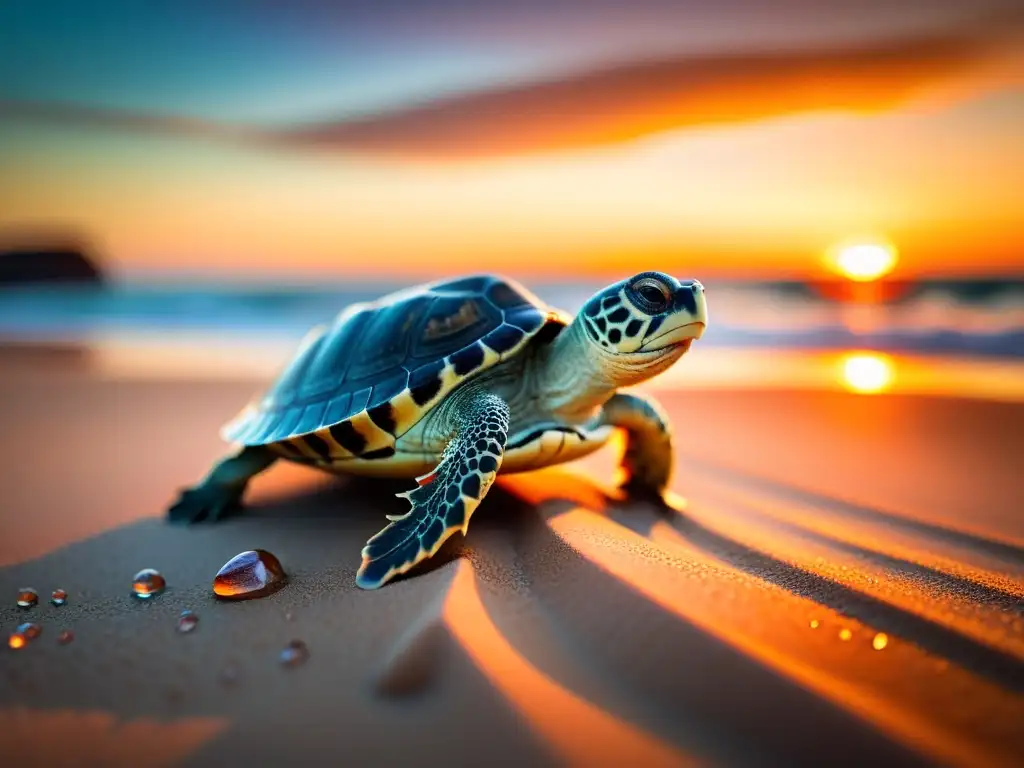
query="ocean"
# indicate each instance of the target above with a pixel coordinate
(977, 318)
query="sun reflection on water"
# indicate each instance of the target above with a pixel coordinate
(867, 372)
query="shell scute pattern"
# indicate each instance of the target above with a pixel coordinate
(357, 384)
(347, 437)
(311, 418)
(338, 408)
(471, 284)
(468, 359)
(383, 416)
(503, 339)
(318, 445)
(425, 382)
(326, 367)
(384, 391)
(505, 296)
(390, 344)
(525, 318)
(360, 399)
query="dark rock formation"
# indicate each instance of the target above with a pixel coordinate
(47, 263)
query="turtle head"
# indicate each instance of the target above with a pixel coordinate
(642, 325)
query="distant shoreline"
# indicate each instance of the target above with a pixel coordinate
(980, 318)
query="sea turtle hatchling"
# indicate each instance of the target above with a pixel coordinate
(453, 381)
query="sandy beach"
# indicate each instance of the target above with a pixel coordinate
(845, 585)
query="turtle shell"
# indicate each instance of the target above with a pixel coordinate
(356, 385)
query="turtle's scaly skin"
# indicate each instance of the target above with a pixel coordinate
(454, 381)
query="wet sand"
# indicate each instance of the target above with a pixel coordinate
(567, 628)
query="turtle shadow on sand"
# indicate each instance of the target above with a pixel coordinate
(357, 505)
(353, 508)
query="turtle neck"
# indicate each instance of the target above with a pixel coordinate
(571, 375)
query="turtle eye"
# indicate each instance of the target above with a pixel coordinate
(652, 295)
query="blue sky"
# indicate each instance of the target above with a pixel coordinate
(280, 62)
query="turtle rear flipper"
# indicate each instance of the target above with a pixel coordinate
(444, 505)
(646, 466)
(222, 489)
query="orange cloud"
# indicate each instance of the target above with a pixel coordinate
(632, 100)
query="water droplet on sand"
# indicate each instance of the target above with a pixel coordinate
(880, 641)
(256, 573)
(65, 637)
(187, 621)
(845, 634)
(815, 623)
(148, 583)
(294, 653)
(27, 597)
(59, 597)
(23, 635)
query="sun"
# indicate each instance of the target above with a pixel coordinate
(863, 260)
(867, 372)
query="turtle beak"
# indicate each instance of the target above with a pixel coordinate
(689, 299)
(683, 334)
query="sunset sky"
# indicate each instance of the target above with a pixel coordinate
(307, 140)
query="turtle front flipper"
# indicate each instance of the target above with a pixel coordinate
(222, 488)
(444, 505)
(647, 461)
